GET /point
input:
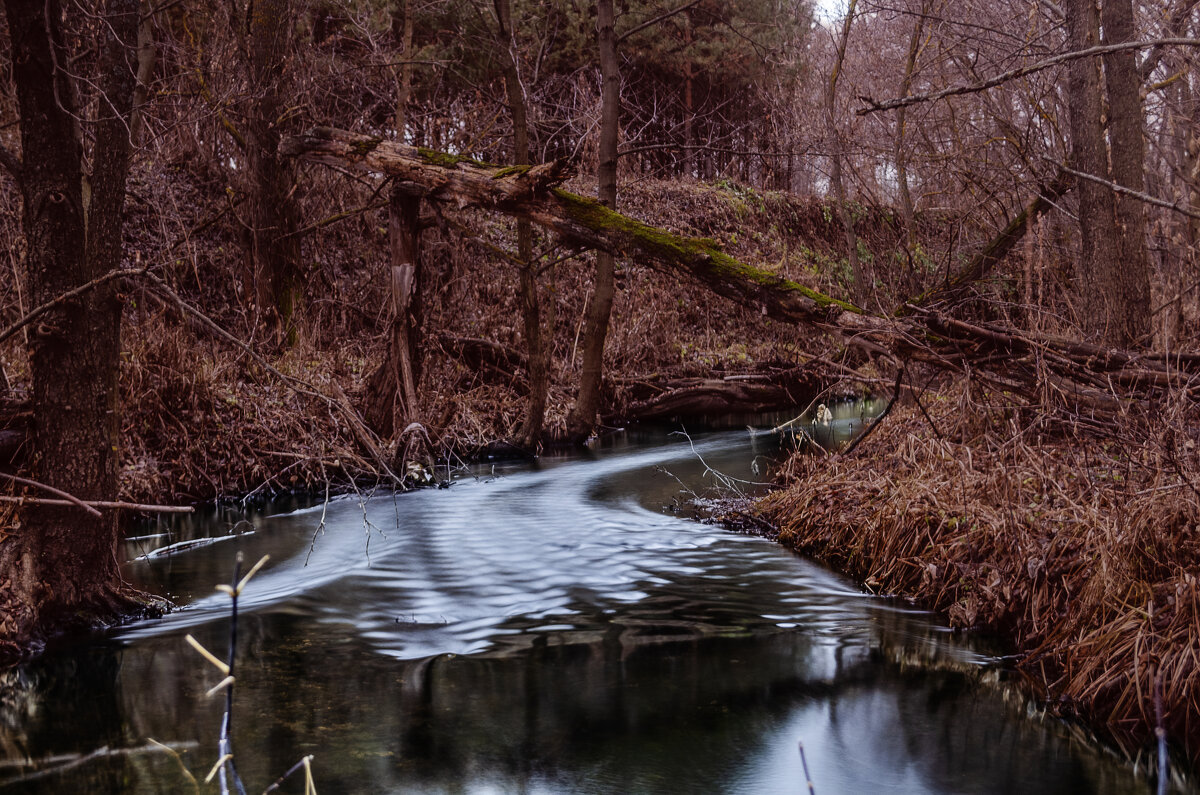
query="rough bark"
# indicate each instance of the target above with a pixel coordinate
(273, 251)
(582, 418)
(1126, 278)
(59, 567)
(899, 149)
(392, 390)
(1098, 245)
(392, 394)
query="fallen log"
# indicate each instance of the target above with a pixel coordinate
(531, 192)
(736, 394)
(1027, 364)
(493, 361)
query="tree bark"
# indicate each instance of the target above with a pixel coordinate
(836, 184)
(536, 347)
(582, 419)
(1097, 241)
(274, 252)
(392, 392)
(899, 150)
(60, 567)
(1126, 277)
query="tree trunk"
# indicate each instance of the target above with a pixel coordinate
(147, 57)
(60, 567)
(834, 136)
(274, 252)
(900, 151)
(537, 351)
(392, 394)
(689, 104)
(1084, 376)
(392, 389)
(1126, 277)
(582, 418)
(1098, 245)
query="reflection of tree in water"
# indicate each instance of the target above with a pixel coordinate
(613, 707)
(947, 732)
(31, 731)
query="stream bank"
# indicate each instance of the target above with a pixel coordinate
(1082, 552)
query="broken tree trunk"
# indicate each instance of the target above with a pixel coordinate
(392, 389)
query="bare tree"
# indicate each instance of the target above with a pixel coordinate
(61, 567)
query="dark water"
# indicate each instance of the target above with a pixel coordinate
(560, 629)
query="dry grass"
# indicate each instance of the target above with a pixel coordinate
(1084, 552)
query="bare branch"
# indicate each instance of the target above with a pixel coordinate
(34, 314)
(655, 20)
(1145, 197)
(1013, 74)
(67, 499)
(119, 505)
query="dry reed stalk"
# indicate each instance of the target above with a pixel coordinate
(1083, 551)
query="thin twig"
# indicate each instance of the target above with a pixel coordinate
(878, 420)
(1021, 71)
(67, 499)
(92, 504)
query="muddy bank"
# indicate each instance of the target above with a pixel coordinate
(1082, 552)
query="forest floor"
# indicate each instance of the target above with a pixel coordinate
(1082, 552)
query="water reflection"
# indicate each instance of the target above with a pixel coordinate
(544, 631)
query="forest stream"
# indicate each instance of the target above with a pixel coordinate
(563, 627)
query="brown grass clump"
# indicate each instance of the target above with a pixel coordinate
(1083, 552)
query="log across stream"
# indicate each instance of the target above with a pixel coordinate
(561, 628)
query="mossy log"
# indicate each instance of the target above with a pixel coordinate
(1009, 359)
(432, 175)
(532, 192)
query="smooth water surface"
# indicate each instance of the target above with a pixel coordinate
(555, 629)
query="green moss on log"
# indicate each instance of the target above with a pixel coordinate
(365, 146)
(662, 245)
(508, 171)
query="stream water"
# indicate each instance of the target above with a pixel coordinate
(560, 628)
